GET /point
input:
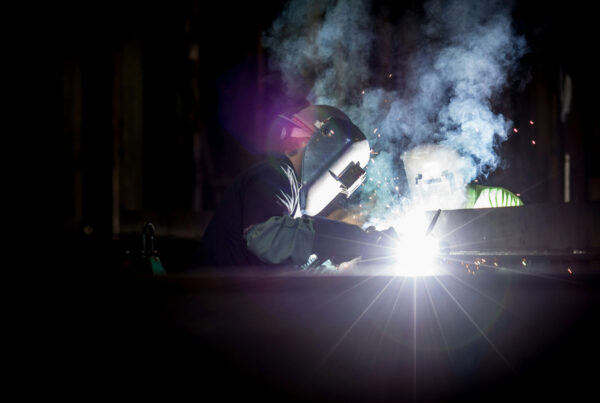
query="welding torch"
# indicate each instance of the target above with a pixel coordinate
(433, 222)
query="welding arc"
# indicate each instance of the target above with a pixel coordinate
(433, 221)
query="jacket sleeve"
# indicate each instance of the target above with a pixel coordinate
(282, 238)
(275, 234)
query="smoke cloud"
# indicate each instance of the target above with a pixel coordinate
(447, 65)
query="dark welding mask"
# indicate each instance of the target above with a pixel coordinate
(334, 158)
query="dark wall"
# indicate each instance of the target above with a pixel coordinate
(558, 36)
(140, 89)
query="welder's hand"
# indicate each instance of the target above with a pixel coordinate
(349, 266)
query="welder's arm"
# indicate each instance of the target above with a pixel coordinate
(281, 238)
(342, 242)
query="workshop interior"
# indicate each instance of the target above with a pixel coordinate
(483, 133)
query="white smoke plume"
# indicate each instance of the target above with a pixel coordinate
(450, 61)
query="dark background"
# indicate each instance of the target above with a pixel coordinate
(138, 112)
(128, 128)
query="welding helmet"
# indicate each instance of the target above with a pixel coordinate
(437, 177)
(334, 157)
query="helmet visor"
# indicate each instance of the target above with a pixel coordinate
(330, 141)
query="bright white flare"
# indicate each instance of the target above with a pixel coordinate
(416, 256)
(416, 253)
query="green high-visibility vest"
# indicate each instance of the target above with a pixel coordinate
(479, 196)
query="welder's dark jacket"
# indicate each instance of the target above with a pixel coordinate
(259, 222)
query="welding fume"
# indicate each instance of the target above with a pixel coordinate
(430, 124)
(439, 177)
(272, 215)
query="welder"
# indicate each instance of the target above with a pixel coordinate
(270, 215)
(439, 178)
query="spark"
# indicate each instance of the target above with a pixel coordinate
(533, 142)
(531, 122)
(515, 130)
(466, 284)
(518, 194)
(363, 92)
(524, 262)
(390, 75)
(569, 270)
(375, 131)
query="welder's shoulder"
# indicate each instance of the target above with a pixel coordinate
(495, 196)
(273, 174)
